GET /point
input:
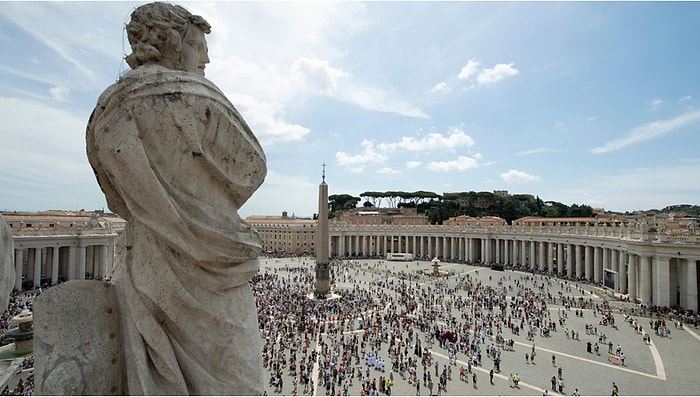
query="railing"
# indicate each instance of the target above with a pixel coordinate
(605, 232)
(82, 228)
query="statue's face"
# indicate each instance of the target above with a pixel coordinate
(194, 54)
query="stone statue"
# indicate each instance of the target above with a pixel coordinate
(7, 263)
(176, 160)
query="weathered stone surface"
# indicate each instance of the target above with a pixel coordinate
(77, 346)
(7, 263)
(176, 160)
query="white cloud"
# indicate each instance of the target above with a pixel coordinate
(413, 164)
(685, 98)
(648, 131)
(515, 176)
(655, 103)
(368, 155)
(387, 170)
(376, 99)
(535, 151)
(468, 70)
(498, 72)
(317, 75)
(292, 57)
(559, 125)
(59, 93)
(590, 119)
(457, 138)
(441, 87)
(266, 120)
(462, 163)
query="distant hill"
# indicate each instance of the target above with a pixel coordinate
(439, 207)
(691, 210)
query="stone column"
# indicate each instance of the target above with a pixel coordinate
(468, 248)
(508, 253)
(691, 279)
(623, 271)
(106, 267)
(560, 258)
(72, 262)
(579, 260)
(482, 251)
(54, 265)
(662, 290)
(597, 265)
(19, 262)
(570, 257)
(497, 250)
(531, 261)
(589, 262)
(37, 267)
(645, 278)
(606, 258)
(632, 278)
(81, 262)
(457, 242)
(460, 242)
(542, 255)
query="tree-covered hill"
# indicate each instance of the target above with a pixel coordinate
(509, 207)
(441, 207)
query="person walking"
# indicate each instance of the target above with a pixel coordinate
(491, 376)
(615, 390)
(474, 380)
(554, 360)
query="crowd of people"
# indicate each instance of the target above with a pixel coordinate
(408, 328)
(20, 302)
(403, 327)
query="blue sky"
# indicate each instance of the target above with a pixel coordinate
(578, 102)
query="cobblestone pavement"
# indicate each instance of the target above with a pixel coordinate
(668, 366)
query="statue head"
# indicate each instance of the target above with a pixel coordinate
(167, 35)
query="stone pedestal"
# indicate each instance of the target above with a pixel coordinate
(77, 344)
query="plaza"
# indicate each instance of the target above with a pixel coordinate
(666, 366)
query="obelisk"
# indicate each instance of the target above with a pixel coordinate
(323, 278)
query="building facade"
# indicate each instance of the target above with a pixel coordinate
(56, 246)
(650, 260)
(285, 234)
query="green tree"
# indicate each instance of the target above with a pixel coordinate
(342, 202)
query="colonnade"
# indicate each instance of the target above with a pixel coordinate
(646, 271)
(37, 264)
